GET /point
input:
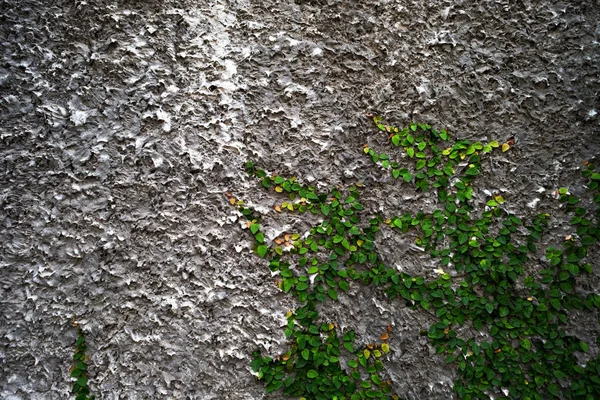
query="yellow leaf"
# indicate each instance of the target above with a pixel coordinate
(494, 144)
(290, 207)
(366, 353)
(277, 208)
(288, 314)
(366, 150)
(387, 221)
(359, 184)
(505, 147)
(462, 156)
(377, 353)
(499, 199)
(232, 201)
(385, 347)
(359, 242)
(278, 189)
(447, 151)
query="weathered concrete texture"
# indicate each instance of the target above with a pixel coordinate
(123, 123)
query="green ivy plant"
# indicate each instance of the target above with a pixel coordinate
(524, 352)
(80, 368)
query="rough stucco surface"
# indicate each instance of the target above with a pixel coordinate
(123, 124)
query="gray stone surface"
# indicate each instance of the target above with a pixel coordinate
(123, 123)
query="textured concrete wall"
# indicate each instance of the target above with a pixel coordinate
(124, 122)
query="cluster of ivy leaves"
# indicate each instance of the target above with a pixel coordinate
(81, 390)
(521, 349)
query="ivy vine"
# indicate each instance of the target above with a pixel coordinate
(522, 350)
(79, 369)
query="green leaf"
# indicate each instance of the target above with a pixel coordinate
(410, 151)
(526, 344)
(421, 164)
(262, 250)
(305, 354)
(588, 241)
(555, 303)
(332, 293)
(489, 307)
(273, 386)
(553, 389)
(396, 140)
(583, 346)
(396, 173)
(82, 381)
(312, 374)
(343, 285)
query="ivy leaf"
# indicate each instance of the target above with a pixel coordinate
(410, 151)
(489, 307)
(472, 171)
(332, 293)
(421, 164)
(254, 228)
(396, 173)
(553, 389)
(262, 250)
(305, 354)
(312, 374)
(583, 346)
(396, 140)
(273, 386)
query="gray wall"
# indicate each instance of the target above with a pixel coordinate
(123, 123)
